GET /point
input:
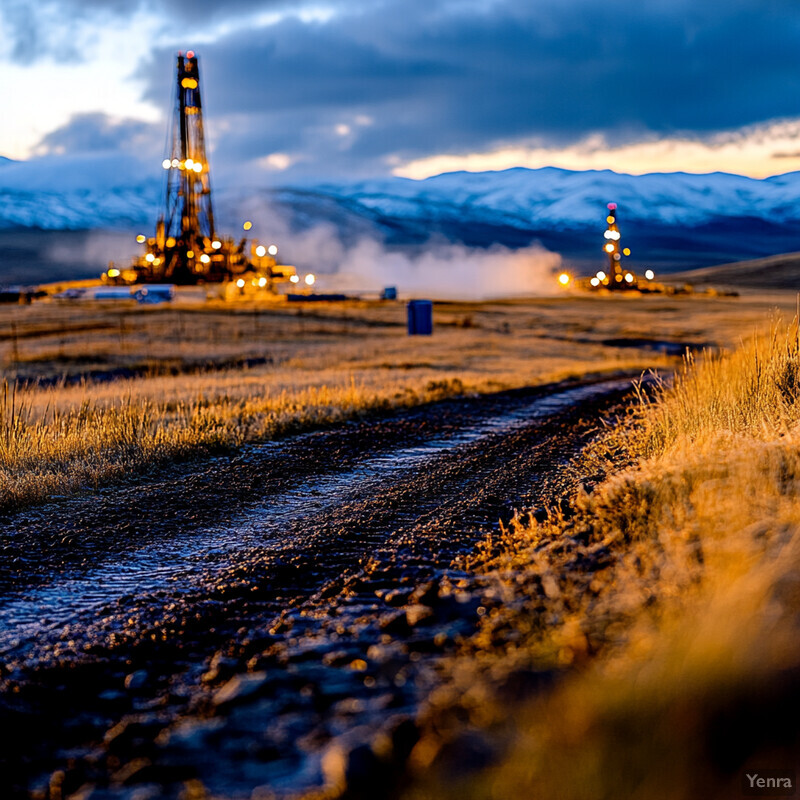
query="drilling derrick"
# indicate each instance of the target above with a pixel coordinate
(186, 248)
(615, 277)
(189, 216)
(618, 278)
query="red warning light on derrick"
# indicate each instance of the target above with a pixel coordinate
(612, 206)
(190, 54)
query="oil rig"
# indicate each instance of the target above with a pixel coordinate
(186, 248)
(615, 278)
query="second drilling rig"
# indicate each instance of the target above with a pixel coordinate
(618, 278)
(186, 248)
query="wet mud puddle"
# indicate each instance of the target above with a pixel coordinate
(184, 559)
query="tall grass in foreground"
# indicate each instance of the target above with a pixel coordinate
(752, 392)
(667, 600)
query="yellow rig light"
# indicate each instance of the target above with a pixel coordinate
(649, 274)
(609, 248)
(141, 238)
(240, 283)
(216, 244)
(629, 277)
(310, 278)
(247, 225)
(150, 258)
(595, 281)
(166, 163)
(273, 249)
(261, 251)
(295, 279)
(262, 282)
(626, 251)
(113, 272)
(564, 279)
(198, 167)
(170, 242)
(601, 276)
(190, 254)
(205, 259)
(189, 163)
(610, 220)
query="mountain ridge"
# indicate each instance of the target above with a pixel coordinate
(672, 220)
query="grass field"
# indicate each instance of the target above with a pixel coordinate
(639, 642)
(193, 378)
(660, 613)
(48, 339)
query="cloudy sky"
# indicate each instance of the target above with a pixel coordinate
(312, 91)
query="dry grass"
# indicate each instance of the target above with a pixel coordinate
(189, 394)
(666, 605)
(53, 340)
(312, 368)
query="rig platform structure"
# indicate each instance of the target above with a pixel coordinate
(615, 278)
(186, 248)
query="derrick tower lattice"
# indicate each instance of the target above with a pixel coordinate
(186, 248)
(617, 277)
(189, 214)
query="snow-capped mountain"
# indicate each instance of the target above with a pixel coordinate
(102, 191)
(80, 193)
(673, 220)
(552, 196)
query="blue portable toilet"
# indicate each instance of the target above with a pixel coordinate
(420, 317)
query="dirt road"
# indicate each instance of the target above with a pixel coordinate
(258, 619)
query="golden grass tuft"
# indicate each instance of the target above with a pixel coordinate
(753, 392)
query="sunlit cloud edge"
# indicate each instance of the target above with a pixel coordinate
(757, 151)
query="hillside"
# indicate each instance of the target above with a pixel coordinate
(775, 272)
(671, 221)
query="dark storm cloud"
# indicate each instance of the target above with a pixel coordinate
(30, 38)
(97, 133)
(47, 29)
(20, 21)
(438, 76)
(411, 78)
